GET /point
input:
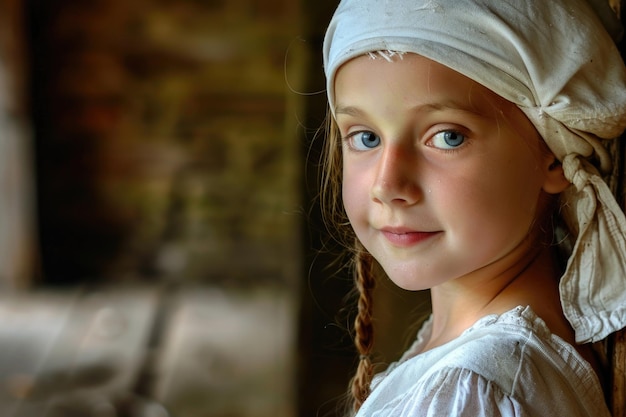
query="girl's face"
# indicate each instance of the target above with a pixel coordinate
(442, 178)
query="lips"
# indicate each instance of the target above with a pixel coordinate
(404, 237)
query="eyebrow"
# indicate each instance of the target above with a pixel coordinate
(349, 110)
(427, 107)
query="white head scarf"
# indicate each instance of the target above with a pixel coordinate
(557, 63)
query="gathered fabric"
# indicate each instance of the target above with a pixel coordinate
(593, 294)
(506, 365)
(556, 61)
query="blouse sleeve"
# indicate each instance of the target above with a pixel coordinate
(453, 392)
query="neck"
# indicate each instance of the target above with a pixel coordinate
(530, 280)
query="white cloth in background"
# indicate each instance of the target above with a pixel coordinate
(504, 365)
(558, 64)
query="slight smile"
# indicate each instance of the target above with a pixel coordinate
(405, 237)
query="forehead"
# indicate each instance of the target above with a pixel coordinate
(413, 80)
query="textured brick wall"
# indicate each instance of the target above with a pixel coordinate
(168, 149)
(165, 142)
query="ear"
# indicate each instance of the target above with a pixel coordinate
(555, 181)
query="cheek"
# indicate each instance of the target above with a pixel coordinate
(502, 203)
(522, 184)
(353, 193)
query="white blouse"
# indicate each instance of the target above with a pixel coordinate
(504, 365)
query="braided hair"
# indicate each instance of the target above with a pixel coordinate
(363, 325)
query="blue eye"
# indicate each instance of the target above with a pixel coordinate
(364, 140)
(448, 139)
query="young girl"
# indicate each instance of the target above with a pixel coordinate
(465, 140)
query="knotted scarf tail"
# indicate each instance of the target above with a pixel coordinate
(593, 287)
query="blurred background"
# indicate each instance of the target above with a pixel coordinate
(161, 252)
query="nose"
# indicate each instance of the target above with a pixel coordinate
(396, 180)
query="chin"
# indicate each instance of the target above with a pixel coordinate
(415, 278)
(410, 283)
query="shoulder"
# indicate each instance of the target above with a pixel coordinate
(511, 350)
(509, 364)
(450, 391)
